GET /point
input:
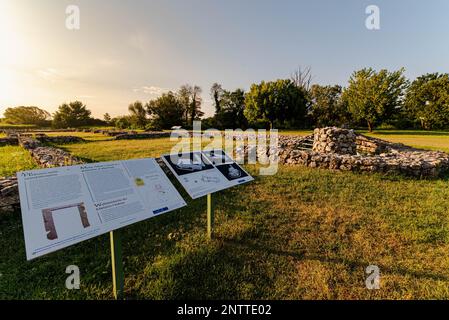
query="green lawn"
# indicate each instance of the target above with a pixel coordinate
(300, 234)
(13, 159)
(432, 140)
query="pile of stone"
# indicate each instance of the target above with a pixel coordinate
(48, 157)
(9, 194)
(27, 142)
(8, 141)
(144, 135)
(58, 139)
(334, 140)
(373, 155)
(369, 145)
(113, 133)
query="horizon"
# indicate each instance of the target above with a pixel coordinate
(126, 52)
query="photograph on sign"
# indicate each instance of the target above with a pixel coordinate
(63, 206)
(186, 163)
(217, 157)
(213, 170)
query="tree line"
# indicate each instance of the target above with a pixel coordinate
(371, 99)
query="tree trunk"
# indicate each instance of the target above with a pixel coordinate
(370, 126)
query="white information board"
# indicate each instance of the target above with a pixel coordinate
(204, 172)
(66, 205)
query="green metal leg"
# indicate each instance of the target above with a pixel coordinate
(118, 277)
(210, 216)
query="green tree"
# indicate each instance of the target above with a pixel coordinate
(373, 96)
(74, 114)
(195, 104)
(216, 93)
(427, 101)
(26, 115)
(327, 108)
(138, 115)
(231, 114)
(122, 122)
(183, 95)
(107, 118)
(278, 101)
(166, 111)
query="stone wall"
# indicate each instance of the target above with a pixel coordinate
(9, 194)
(334, 140)
(58, 139)
(8, 141)
(45, 156)
(374, 155)
(145, 135)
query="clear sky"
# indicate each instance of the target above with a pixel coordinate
(135, 49)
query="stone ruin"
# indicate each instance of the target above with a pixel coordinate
(338, 141)
(345, 150)
(144, 135)
(45, 156)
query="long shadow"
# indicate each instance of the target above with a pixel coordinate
(302, 255)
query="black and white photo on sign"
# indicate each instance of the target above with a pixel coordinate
(232, 171)
(217, 157)
(186, 163)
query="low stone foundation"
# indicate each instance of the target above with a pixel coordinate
(58, 139)
(334, 140)
(8, 142)
(47, 156)
(146, 135)
(374, 155)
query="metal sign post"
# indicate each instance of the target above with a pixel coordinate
(118, 277)
(210, 216)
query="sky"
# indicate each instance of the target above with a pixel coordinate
(136, 50)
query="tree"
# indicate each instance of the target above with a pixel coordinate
(278, 101)
(195, 106)
(183, 95)
(231, 114)
(74, 114)
(107, 118)
(166, 111)
(374, 96)
(26, 115)
(327, 108)
(138, 115)
(216, 93)
(122, 122)
(302, 78)
(427, 101)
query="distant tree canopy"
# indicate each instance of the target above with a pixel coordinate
(327, 107)
(166, 111)
(138, 115)
(74, 114)
(279, 102)
(26, 115)
(107, 118)
(427, 101)
(374, 96)
(216, 93)
(231, 115)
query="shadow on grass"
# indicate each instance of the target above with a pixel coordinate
(302, 255)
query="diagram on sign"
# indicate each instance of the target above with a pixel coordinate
(204, 172)
(66, 205)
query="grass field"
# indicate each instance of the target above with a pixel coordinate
(13, 159)
(300, 234)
